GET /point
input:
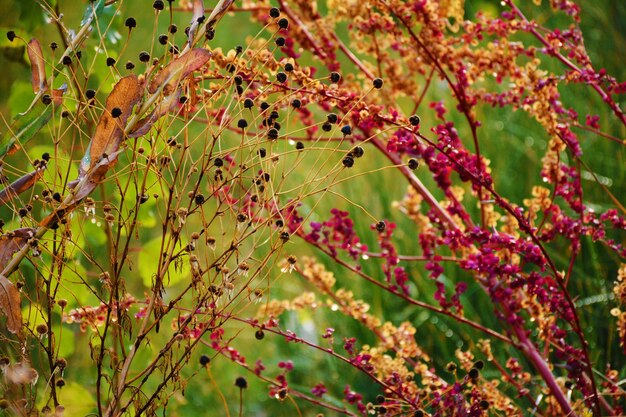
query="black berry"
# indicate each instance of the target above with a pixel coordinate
(272, 134)
(281, 77)
(144, 56)
(280, 41)
(116, 112)
(413, 164)
(283, 23)
(162, 39)
(158, 5)
(204, 360)
(242, 124)
(110, 62)
(274, 12)
(348, 161)
(10, 35)
(248, 103)
(346, 130)
(378, 83)
(241, 382)
(131, 23)
(414, 120)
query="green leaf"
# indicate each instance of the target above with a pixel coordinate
(92, 7)
(25, 126)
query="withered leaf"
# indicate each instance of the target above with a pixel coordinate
(166, 105)
(20, 185)
(12, 242)
(110, 130)
(10, 304)
(178, 69)
(37, 66)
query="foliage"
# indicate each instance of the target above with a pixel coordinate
(353, 207)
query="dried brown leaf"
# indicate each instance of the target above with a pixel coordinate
(178, 69)
(37, 66)
(110, 130)
(10, 304)
(20, 185)
(166, 105)
(12, 242)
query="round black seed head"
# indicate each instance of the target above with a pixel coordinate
(241, 217)
(276, 125)
(144, 56)
(248, 103)
(274, 12)
(380, 399)
(238, 49)
(296, 103)
(53, 45)
(130, 65)
(484, 404)
(283, 23)
(380, 226)
(272, 134)
(204, 360)
(116, 112)
(218, 162)
(210, 34)
(46, 99)
(346, 130)
(110, 62)
(173, 29)
(418, 413)
(274, 114)
(241, 382)
(239, 89)
(238, 79)
(65, 114)
(299, 146)
(327, 127)
(473, 373)
(163, 39)
(158, 5)
(288, 67)
(414, 120)
(348, 161)
(230, 67)
(10, 35)
(284, 236)
(332, 118)
(45, 156)
(131, 23)
(335, 77)
(378, 83)
(143, 198)
(413, 164)
(264, 106)
(279, 223)
(66, 60)
(358, 152)
(242, 124)
(201, 19)
(280, 41)
(281, 77)
(259, 334)
(479, 365)
(262, 152)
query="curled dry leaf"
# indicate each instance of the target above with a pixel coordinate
(169, 78)
(37, 66)
(110, 130)
(166, 105)
(9, 295)
(20, 185)
(10, 304)
(104, 147)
